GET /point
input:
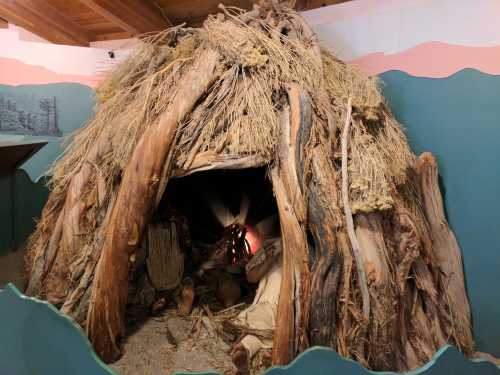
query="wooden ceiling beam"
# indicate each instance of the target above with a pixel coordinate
(3, 23)
(40, 20)
(134, 16)
(153, 14)
(9, 14)
(57, 19)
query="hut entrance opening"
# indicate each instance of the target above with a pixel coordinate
(202, 253)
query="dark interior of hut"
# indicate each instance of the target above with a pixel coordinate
(197, 195)
(220, 219)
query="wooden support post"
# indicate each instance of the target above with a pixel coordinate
(324, 222)
(447, 253)
(135, 203)
(349, 221)
(294, 302)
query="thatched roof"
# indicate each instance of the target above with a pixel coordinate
(219, 96)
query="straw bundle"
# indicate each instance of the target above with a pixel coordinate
(165, 260)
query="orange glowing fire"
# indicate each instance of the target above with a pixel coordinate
(226, 218)
(253, 239)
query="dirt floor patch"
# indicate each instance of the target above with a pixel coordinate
(166, 344)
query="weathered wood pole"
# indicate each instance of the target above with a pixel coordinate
(294, 302)
(135, 203)
(447, 253)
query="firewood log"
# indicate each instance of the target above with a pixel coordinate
(77, 301)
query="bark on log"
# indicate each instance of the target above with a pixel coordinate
(346, 340)
(293, 307)
(350, 225)
(209, 160)
(418, 331)
(37, 254)
(284, 335)
(382, 325)
(70, 238)
(447, 254)
(134, 205)
(76, 304)
(55, 252)
(324, 220)
(403, 238)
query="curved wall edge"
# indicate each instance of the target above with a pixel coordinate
(433, 60)
(47, 342)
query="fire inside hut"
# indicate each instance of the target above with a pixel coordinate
(214, 250)
(364, 261)
(213, 234)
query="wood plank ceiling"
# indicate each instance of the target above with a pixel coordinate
(79, 22)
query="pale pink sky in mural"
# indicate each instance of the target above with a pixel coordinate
(378, 35)
(59, 58)
(361, 27)
(14, 72)
(434, 59)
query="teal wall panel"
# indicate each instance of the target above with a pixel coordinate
(21, 203)
(21, 200)
(458, 120)
(6, 233)
(74, 105)
(29, 199)
(36, 339)
(43, 341)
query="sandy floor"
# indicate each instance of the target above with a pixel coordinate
(164, 345)
(12, 269)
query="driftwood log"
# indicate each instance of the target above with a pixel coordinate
(134, 206)
(325, 225)
(294, 301)
(370, 265)
(446, 252)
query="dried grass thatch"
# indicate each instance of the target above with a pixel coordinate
(266, 94)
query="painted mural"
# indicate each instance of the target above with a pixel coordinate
(47, 112)
(29, 114)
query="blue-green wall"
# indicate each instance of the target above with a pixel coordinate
(43, 341)
(74, 105)
(458, 120)
(5, 213)
(21, 200)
